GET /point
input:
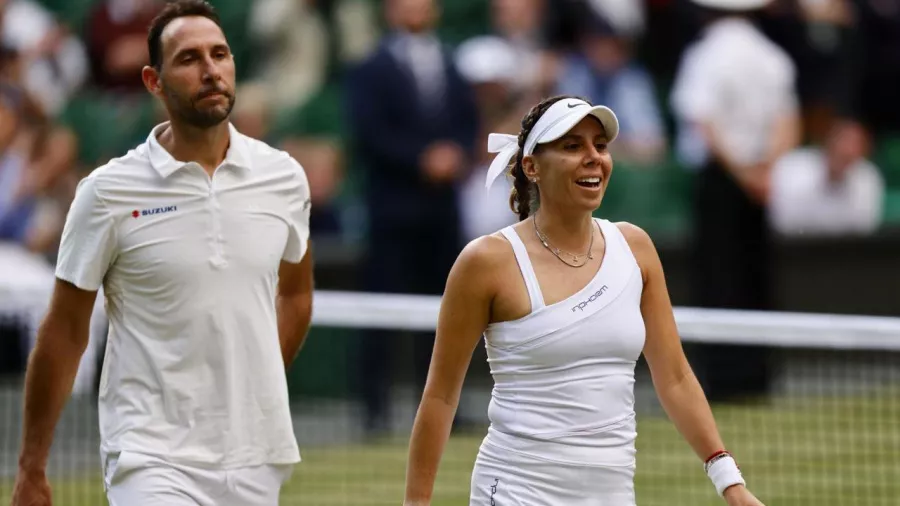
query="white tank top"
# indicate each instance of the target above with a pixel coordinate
(564, 373)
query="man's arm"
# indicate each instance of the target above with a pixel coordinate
(786, 135)
(86, 252)
(52, 366)
(721, 154)
(294, 305)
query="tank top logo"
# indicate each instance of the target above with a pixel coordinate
(596, 295)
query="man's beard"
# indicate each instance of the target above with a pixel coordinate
(189, 113)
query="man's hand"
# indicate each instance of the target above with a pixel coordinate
(32, 489)
(738, 495)
(442, 162)
(756, 182)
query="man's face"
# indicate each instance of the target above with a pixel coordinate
(606, 53)
(514, 17)
(847, 144)
(197, 79)
(414, 16)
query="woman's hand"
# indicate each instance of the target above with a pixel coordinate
(738, 495)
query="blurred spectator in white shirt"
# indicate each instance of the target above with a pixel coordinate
(489, 64)
(35, 161)
(733, 96)
(55, 61)
(301, 41)
(292, 65)
(736, 105)
(828, 190)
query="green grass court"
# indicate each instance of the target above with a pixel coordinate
(797, 452)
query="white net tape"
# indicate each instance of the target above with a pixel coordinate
(779, 329)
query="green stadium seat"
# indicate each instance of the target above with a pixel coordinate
(70, 12)
(325, 369)
(463, 19)
(653, 198)
(892, 207)
(887, 158)
(320, 116)
(107, 127)
(235, 15)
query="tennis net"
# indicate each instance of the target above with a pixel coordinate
(826, 434)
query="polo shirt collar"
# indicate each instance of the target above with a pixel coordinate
(165, 164)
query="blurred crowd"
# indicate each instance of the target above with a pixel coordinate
(312, 82)
(387, 105)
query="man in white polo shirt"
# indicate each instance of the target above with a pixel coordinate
(735, 100)
(199, 239)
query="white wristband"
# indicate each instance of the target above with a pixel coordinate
(724, 473)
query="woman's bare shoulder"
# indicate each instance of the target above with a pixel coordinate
(478, 273)
(485, 253)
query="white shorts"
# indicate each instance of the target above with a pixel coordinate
(134, 479)
(507, 478)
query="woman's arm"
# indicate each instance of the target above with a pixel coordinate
(465, 313)
(676, 386)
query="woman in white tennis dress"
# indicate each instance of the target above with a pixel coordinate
(567, 304)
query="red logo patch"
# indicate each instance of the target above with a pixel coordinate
(135, 214)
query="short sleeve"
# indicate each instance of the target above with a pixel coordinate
(298, 217)
(88, 241)
(693, 92)
(790, 99)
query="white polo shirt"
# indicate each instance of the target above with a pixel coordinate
(740, 82)
(805, 202)
(189, 266)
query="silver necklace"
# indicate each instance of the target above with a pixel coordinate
(560, 253)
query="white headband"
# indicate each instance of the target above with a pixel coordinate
(553, 124)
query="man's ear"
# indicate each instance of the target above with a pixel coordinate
(150, 77)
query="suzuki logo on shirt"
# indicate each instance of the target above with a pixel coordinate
(596, 295)
(155, 210)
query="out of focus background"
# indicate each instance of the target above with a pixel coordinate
(787, 286)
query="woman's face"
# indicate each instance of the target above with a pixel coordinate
(573, 171)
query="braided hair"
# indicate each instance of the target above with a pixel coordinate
(525, 193)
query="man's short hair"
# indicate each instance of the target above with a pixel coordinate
(172, 11)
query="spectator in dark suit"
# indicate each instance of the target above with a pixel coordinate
(414, 123)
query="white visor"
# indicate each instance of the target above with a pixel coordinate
(553, 124)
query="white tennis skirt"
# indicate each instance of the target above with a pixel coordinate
(508, 478)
